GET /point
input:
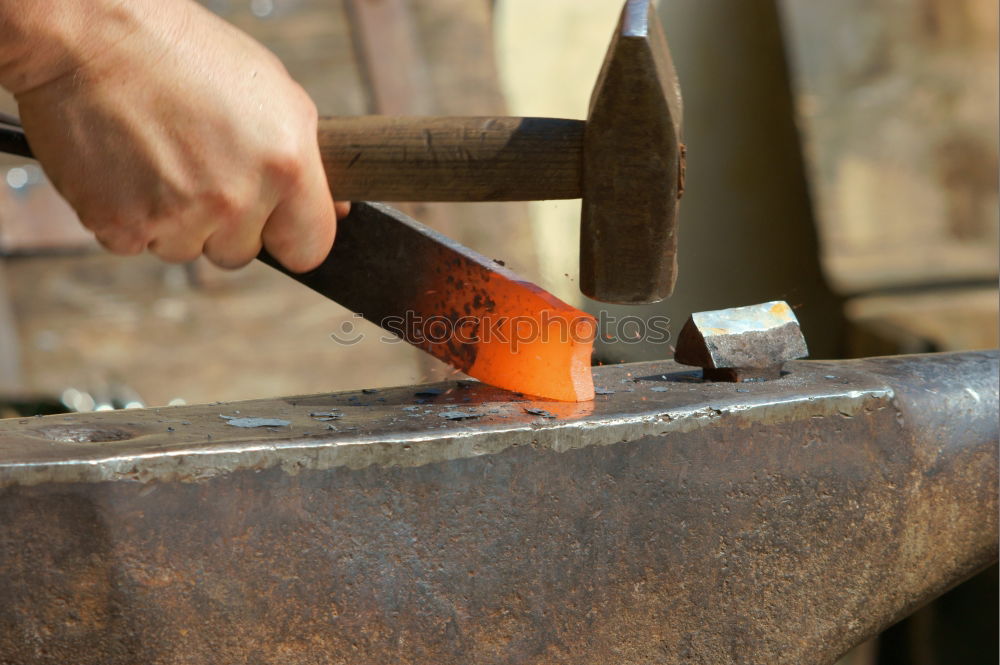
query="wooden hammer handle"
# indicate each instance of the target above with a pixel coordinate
(381, 158)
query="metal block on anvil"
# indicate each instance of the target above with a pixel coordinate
(669, 520)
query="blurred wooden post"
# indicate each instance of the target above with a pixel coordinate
(436, 58)
(897, 103)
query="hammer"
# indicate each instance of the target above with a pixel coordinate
(626, 162)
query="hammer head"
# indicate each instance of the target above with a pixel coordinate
(633, 167)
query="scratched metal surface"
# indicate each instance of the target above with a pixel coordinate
(668, 521)
(408, 426)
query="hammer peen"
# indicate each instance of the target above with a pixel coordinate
(626, 162)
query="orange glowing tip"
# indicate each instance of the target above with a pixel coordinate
(529, 341)
(505, 331)
(551, 366)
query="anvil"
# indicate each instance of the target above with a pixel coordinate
(669, 520)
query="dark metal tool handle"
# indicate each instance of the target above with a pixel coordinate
(12, 138)
(432, 159)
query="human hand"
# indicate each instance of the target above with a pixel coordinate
(165, 127)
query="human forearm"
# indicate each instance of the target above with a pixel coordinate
(42, 40)
(185, 135)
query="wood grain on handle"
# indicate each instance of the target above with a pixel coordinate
(452, 159)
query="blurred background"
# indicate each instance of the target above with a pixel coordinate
(842, 156)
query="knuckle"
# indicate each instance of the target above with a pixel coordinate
(285, 167)
(295, 141)
(306, 113)
(284, 162)
(116, 231)
(225, 205)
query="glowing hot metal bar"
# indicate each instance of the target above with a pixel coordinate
(455, 304)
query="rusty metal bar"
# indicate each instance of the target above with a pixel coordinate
(668, 521)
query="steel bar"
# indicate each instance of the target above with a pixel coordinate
(455, 304)
(13, 140)
(669, 520)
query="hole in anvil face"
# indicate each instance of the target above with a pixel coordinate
(84, 434)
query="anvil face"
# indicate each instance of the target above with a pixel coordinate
(778, 522)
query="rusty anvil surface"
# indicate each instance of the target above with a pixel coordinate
(669, 521)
